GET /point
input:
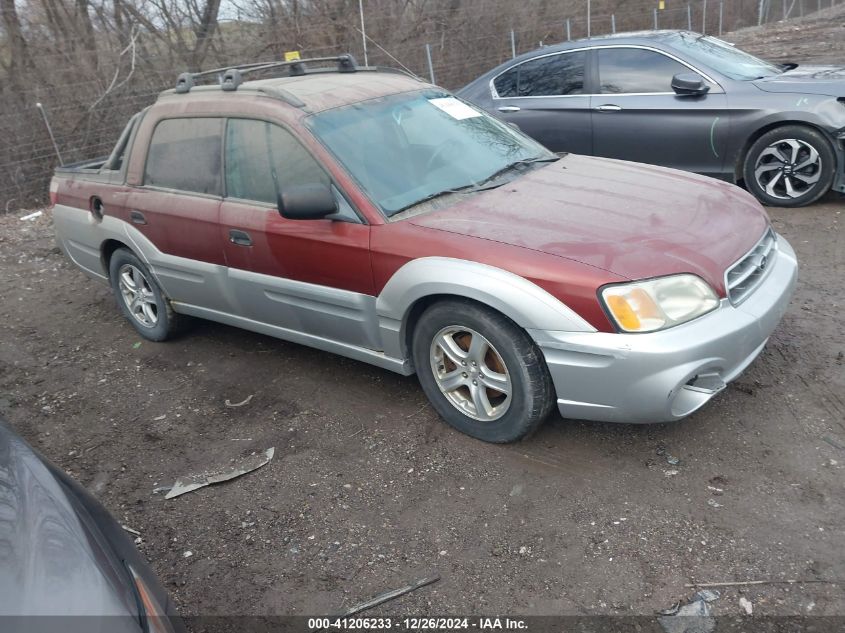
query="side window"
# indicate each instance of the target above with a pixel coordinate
(627, 70)
(263, 159)
(185, 154)
(553, 75)
(505, 83)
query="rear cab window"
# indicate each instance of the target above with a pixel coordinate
(185, 154)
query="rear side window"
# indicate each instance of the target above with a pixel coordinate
(553, 75)
(185, 154)
(262, 159)
(627, 70)
(506, 83)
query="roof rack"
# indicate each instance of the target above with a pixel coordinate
(232, 76)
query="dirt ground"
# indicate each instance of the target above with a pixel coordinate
(818, 37)
(368, 489)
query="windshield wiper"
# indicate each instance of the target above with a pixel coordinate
(516, 164)
(482, 185)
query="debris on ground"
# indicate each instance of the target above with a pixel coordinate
(672, 460)
(33, 215)
(692, 617)
(391, 595)
(234, 405)
(746, 583)
(130, 530)
(746, 606)
(190, 483)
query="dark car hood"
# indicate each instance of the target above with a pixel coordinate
(634, 220)
(816, 80)
(49, 562)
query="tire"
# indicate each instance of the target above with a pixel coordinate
(139, 297)
(506, 360)
(790, 166)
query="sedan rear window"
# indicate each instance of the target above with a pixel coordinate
(547, 76)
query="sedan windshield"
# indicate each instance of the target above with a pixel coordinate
(408, 148)
(722, 57)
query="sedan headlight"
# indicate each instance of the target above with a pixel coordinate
(657, 304)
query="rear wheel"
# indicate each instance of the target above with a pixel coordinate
(482, 373)
(139, 298)
(789, 166)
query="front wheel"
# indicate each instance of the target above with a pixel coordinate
(790, 166)
(482, 373)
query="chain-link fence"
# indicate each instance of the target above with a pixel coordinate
(91, 82)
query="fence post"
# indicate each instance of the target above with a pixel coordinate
(588, 19)
(430, 65)
(704, 17)
(721, 7)
(655, 18)
(569, 30)
(689, 17)
(784, 9)
(613, 23)
(513, 45)
(801, 8)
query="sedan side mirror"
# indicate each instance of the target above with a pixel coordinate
(689, 84)
(307, 202)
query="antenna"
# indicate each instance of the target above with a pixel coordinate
(50, 132)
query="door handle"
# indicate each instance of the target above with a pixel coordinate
(137, 217)
(241, 238)
(608, 107)
(508, 109)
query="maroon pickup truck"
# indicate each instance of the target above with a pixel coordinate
(369, 214)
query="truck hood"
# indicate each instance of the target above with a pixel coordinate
(636, 221)
(816, 80)
(51, 564)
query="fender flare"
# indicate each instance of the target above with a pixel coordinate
(522, 301)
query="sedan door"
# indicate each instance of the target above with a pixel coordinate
(545, 98)
(637, 116)
(306, 276)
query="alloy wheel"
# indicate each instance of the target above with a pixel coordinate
(138, 295)
(470, 372)
(788, 168)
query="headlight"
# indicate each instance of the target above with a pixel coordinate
(656, 304)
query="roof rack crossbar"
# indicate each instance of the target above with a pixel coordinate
(232, 76)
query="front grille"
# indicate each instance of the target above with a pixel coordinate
(742, 278)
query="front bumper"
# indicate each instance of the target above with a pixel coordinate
(665, 376)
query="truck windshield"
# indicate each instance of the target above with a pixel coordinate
(407, 148)
(723, 57)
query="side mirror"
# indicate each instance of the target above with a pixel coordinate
(307, 202)
(689, 84)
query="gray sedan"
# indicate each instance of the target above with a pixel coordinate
(681, 100)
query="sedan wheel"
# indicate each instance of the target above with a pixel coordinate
(788, 169)
(789, 166)
(482, 373)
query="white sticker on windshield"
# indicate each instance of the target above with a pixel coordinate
(454, 108)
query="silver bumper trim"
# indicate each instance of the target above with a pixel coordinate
(667, 375)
